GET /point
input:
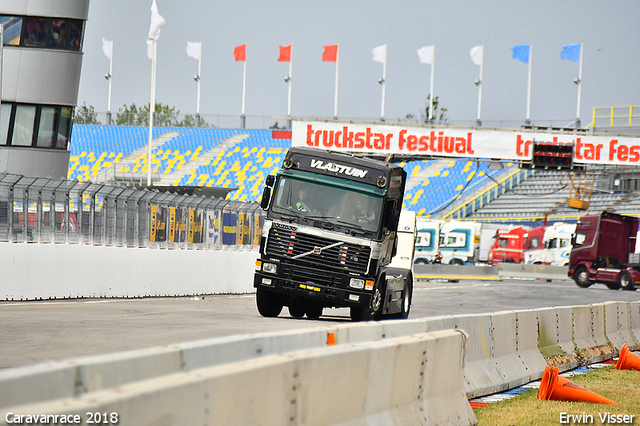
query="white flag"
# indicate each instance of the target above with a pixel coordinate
(380, 54)
(156, 22)
(477, 54)
(150, 49)
(426, 54)
(107, 48)
(194, 49)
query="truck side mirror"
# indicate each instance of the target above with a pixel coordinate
(270, 181)
(266, 197)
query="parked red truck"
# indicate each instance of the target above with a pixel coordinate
(604, 251)
(510, 246)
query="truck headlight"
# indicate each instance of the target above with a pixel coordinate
(356, 283)
(269, 268)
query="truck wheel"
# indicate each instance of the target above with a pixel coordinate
(314, 310)
(420, 262)
(269, 303)
(407, 296)
(456, 262)
(371, 313)
(625, 281)
(581, 277)
(296, 309)
(613, 286)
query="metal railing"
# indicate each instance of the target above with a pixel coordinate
(616, 116)
(45, 210)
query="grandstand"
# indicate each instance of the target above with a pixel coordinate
(241, 158)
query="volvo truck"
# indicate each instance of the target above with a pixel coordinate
(332, 228)
(604, 251)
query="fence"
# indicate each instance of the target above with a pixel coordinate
(64, 211)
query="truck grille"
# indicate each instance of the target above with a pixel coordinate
(310, 251)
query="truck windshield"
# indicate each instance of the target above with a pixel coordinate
(339, 206)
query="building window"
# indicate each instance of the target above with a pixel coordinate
(23, 125)
(64, 129)
(5, 117)
(43, 126)
(47, 127)
(48, 33)
(12, 30)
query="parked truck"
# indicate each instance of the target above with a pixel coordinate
(509, 247)
(333, 227)
(556, 247)
(453, 242)
(604, 251)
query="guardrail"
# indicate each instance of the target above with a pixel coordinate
(383, 372)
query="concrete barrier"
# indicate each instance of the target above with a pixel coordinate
(588, 334)
(491, 273)
(503, 350)
(544, 272)
(634, 323)
(59, 271)
(413, 380)
(555, 342)
(617, 325)
(455, 272)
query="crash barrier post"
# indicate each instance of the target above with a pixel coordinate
(405, 380)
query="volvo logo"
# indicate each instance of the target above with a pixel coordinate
(317, 250)
(285, 227)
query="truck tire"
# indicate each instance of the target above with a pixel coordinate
(407, 296)
(269, 303)
(581, 277)
(613, 286)
(296, 309)
(314, 310)
(626, 281)
(373, 312)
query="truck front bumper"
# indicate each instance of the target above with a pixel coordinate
(329, 296)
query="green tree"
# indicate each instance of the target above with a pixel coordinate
(85, 115)
(165, 116)
(439, 114)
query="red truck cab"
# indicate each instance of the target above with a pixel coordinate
(603, 251)
(509, 247)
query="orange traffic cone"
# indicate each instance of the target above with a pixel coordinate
(628, 360)
(554, 386)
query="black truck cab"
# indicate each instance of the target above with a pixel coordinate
(329, 235)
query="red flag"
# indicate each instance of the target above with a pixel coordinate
(330, 53)
(285, 54)
(240, 52)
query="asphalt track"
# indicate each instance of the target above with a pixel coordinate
(34, 332)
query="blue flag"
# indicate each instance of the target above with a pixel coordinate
(570, 52)
(521, 52)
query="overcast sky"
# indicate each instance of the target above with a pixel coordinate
(609, 30)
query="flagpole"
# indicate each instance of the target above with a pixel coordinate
(528, 120)
(479, 83)
(384, 82)
(433, 65)
(289, 96)
(335, 106)
(579, 83)
(110, 76)
(152, 107)
(199, 78)
(244, 93)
